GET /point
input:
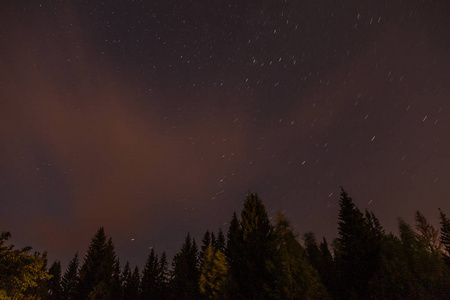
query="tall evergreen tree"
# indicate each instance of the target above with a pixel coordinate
(97, 270)
(151, 277)
(259, 250)
(359, 239)
(131, 290)
(185, 274)
(126, 280)
(214, 274)
(163, 278)
(213, 239)
(206, 242)
(116, 284)
(70, 279)
(233, 252)
(220, 241)
(54, 283)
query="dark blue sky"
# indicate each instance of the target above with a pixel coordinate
(154, 118)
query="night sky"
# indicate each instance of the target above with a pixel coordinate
(155, 118)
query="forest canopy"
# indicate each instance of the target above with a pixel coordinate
(254, 259)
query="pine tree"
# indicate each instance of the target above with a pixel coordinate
(163, 278)
(213, 239)
(97, 270)
(233, 252)
(206, 242)
(214, 274)
(220, 242)
(132, 290)
(360, 243)
(70, 279)
(116, 284)
(54, 283)
(126, 280)
(234, 240)
(185, 274)
(150, 277)
(258, 242)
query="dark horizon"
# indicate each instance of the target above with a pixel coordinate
(153, 119)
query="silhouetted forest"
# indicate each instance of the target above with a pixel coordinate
(255, 259)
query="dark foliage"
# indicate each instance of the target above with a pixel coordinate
(54, 283)
(256, 260)
(71, 279)
(186, 273)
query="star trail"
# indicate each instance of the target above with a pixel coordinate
(155, 118)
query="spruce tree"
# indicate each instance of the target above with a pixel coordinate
(213, 239)
(233, 252)
(116, 284)
(206, 242)
(150, 277)
(126, 280)
(70, 279)
(163, 278)
(185, 272)
(359, 239)
(132, 290)
(98, 267)
(220, 241)
(258, 242)
(54, 283)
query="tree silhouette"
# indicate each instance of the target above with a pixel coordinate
(70, 279)
(98, 267)
(185, 274)
(258, 249)
(360, 246)
(54, 283)
(233, 252)
(154, 277)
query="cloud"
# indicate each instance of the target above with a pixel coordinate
(84, 150)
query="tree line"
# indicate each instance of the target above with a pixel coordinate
(254, 260)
